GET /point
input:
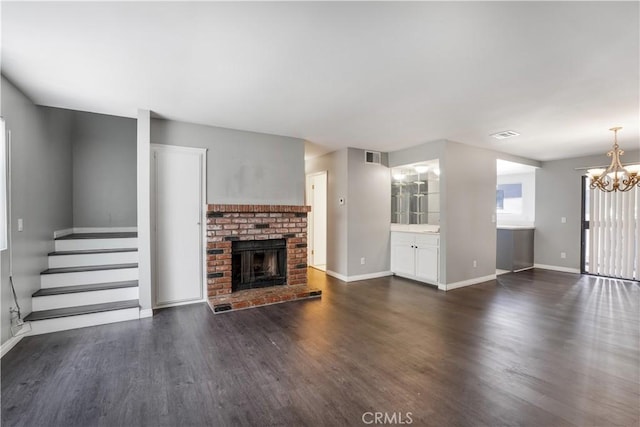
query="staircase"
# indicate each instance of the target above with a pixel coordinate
(92, 279)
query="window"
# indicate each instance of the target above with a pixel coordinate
(509, 198)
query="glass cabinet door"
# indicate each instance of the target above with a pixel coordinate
(415, 193)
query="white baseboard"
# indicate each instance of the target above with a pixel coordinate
(147, 312)
(368, 276)
(178, 304)
(336, 275)
(557, 268)
(9, 344)
(61, 233)
(462, 284)
(359, 276)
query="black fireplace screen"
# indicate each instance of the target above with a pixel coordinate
(258, 264)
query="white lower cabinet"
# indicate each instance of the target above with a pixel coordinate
(415, 256)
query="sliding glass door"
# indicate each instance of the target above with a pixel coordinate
(610, 233)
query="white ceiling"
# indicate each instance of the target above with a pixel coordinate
(374, 75)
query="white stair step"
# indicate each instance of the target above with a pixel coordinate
(83, 320)
(88, 274)
(50, 302)
(92, 257)
(85, 244)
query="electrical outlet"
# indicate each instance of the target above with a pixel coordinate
(563, 220)
(362, 260)
(563, 255)
(20, 224)
(475, 263)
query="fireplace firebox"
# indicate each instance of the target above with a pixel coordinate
(258, 264)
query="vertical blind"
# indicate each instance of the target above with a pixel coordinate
(614, 233)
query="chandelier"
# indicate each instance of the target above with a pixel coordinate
(615, 177)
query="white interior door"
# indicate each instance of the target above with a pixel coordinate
(178, 190)
(317, 233)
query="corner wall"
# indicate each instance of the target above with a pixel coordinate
(335, 164)
(467, 205)
(41, 193)
(470, 203)
(368, 215)
(104, 170)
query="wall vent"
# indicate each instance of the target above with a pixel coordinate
(372, 157)
(504, 134)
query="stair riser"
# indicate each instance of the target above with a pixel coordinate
(84, 320)
(88, 277)
(50, 302)
(82, 244)
(57, 261)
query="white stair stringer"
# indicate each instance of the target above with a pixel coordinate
(83, 320)
(86, 244)
(87, 277)
(73, 299)
(81, 260)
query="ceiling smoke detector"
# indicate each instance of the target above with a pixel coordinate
(504, 134)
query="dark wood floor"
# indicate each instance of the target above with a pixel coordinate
(536, 348)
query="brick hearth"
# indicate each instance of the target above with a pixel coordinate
(226, 223)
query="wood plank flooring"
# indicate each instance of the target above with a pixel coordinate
(536, 348)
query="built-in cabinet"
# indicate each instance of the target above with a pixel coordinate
(415, 256)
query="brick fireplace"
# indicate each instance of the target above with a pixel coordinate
(228, 226)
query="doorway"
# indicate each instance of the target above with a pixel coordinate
(177, 199)
(316, 197)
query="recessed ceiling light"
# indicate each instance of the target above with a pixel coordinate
(504, 134)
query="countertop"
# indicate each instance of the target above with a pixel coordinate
(416, 228)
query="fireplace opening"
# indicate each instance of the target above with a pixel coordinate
(258, 264)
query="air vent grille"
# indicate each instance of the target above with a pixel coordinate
(372, 157)
(505, 134)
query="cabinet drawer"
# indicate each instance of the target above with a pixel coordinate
(427, 240)
(399, 237)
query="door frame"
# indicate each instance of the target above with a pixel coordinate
(202, 152)
(311, 217)
(584, 224)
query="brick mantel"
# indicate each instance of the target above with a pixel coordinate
(226, 223)
(259, 208)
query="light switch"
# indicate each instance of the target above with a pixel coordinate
(563, 220)
(20, 224)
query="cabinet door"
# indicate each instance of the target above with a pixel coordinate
(427, 263)
(402, 259)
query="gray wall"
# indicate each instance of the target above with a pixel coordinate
(469, 187)
(368, 214)
(558, 194)
(242, 167)
(104, 171)
(41, 192)
(335, 164)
